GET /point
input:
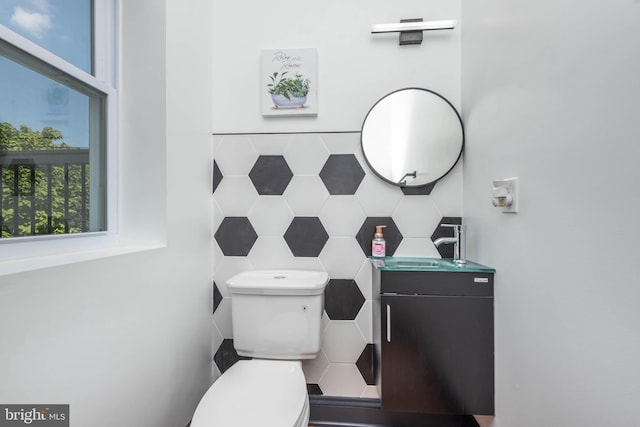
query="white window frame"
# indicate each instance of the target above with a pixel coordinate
(31, 252)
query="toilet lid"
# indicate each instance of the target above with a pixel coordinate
(265, 393)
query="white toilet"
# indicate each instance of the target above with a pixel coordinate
(276, 321)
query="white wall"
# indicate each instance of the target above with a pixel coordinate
(355, 68)
(550, 94)
(126, 340)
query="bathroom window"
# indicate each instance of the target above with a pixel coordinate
(57, 118)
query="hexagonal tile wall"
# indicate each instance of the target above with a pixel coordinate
(445, 251)
(392, 235)
(236, 236)
(342, 299)
(309, 201)
(342, 174)
(270, 175)
(226, 356)
(306, 236)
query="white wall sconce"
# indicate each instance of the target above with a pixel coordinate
(505, 194)
(411, 29)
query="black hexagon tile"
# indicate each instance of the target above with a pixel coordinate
(313, 389)
(227, 356)
(367, 364)
(236, 236)
(418, 191)
(217, 297)
(445, 250)
(342, 174)
(306, 236)
(392, 235)
(270, 175)
(217, 176)
(342, 299)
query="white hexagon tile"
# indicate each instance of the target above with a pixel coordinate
(342, 216)
(222, 318)
(314, 368)
(306, 195)
(342, 379)
(363, 321)
(270, 252)
(218, 216)
(235, 195)
(342, 142)
(270, 216)
(342, 341)
(268, 144)
(235, 155)
(412, 225)
(417, 247)
(443, 194)
(370, 392)
(377, 197)
(364, 280)
(216, 338)
(342, 257)
(225, 267)
(306, 155)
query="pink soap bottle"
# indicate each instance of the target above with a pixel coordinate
(378, 245)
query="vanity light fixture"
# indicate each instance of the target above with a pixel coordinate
(411, 29)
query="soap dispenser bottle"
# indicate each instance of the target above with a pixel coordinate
(378, 245)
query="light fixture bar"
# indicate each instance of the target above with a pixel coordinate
(413, 26)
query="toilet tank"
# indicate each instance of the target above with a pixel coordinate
(277, 314)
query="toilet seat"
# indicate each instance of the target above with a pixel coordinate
(265, 393)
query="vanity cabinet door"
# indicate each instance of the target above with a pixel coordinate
(437, 354)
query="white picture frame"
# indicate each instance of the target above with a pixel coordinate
(289, 82)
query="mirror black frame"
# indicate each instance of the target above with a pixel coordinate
(399, 184)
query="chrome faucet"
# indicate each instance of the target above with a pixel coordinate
(458, 240)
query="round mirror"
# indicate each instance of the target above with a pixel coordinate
(412, 137)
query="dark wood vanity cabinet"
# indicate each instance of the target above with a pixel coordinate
(435, 342)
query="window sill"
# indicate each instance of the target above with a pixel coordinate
(21, 265)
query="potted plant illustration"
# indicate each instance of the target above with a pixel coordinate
(288, 92)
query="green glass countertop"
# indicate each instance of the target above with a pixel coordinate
(428, 264)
